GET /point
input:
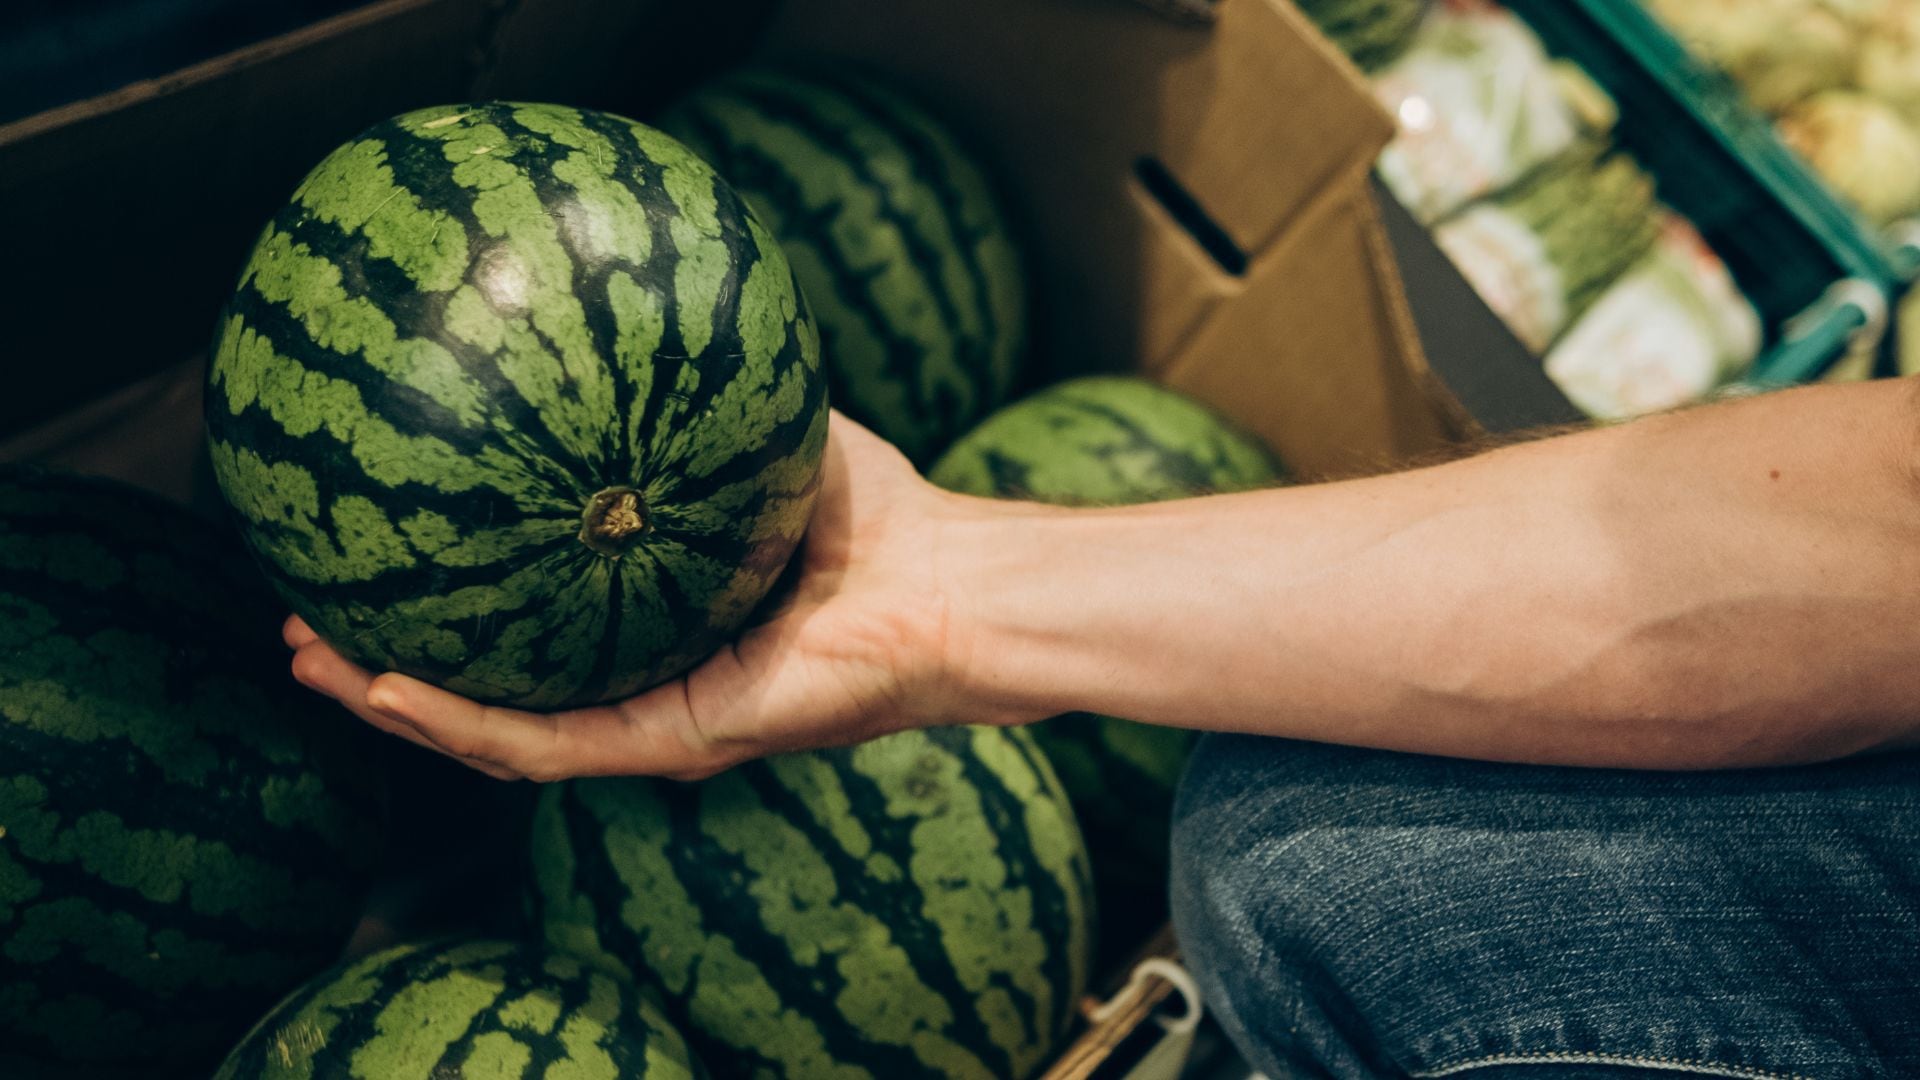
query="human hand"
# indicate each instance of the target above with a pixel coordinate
(868, 642)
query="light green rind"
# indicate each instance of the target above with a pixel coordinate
(918, 905)
(463, 1011)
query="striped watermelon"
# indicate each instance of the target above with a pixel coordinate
(462, 1011)
(1109, 441)
(183, 830)
(1374, 33)
(915, 906)
(894, 235)
(521, 400)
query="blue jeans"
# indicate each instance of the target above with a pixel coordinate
(1359, 914)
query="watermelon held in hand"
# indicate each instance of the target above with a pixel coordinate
(520, 400)
(184, 831)
(462, 1011)
(1109, 441)
(915, 906)
(894, 234)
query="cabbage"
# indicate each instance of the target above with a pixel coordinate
(1888, 66)
(1779, 51)
(1862, 148)
(1478, 104)
(1666, 334)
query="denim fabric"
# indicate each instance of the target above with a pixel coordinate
(1354, 913)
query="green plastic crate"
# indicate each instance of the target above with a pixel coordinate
(1818, 273)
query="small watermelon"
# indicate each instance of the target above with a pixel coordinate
(915, 906)
(894, 234)
(520, 400)
(462, 1011)
(1110, 441)
(184, 831)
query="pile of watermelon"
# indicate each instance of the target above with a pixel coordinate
(531, 402)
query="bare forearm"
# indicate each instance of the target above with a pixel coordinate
(1734, 585)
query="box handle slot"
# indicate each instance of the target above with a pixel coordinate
(1187, 212)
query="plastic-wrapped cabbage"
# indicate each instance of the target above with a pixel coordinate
(1478, 104)
(1888, 65)
(1666, 334)
(1541, 252)
(1862, 148)
(1779, 51)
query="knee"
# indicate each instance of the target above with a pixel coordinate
(1275, 901)
(1353, 913)
(1332, 901)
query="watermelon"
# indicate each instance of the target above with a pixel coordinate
(520, 400)
(894, 234)
(462, 1011)
(184, 831)
(915, 906)
(1373, 33)
(1109, 441)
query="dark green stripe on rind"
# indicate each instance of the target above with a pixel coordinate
(182, 829)
(914, 906)
(468, 322)
(483, 1009)
(893, 234)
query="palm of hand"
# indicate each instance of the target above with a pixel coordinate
(862, 646)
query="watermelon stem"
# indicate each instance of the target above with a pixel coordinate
(613, 521)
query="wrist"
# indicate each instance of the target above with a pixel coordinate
(996, 572)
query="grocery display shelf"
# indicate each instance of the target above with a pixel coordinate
(1804, 258)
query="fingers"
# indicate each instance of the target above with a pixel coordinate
(508, 740)
(644, 735)
(656, 733)
(317, 666)
(509, 744)
(296, 633)
(763, 696)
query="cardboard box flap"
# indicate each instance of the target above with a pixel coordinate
(1266, 122)
(1319, 356)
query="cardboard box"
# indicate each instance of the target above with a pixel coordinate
(1195, 194)
(1196, 199)
(1192, 181)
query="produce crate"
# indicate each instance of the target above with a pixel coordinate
(1821, 277)
(1193, 179)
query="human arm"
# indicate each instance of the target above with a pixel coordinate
(1730, 585)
